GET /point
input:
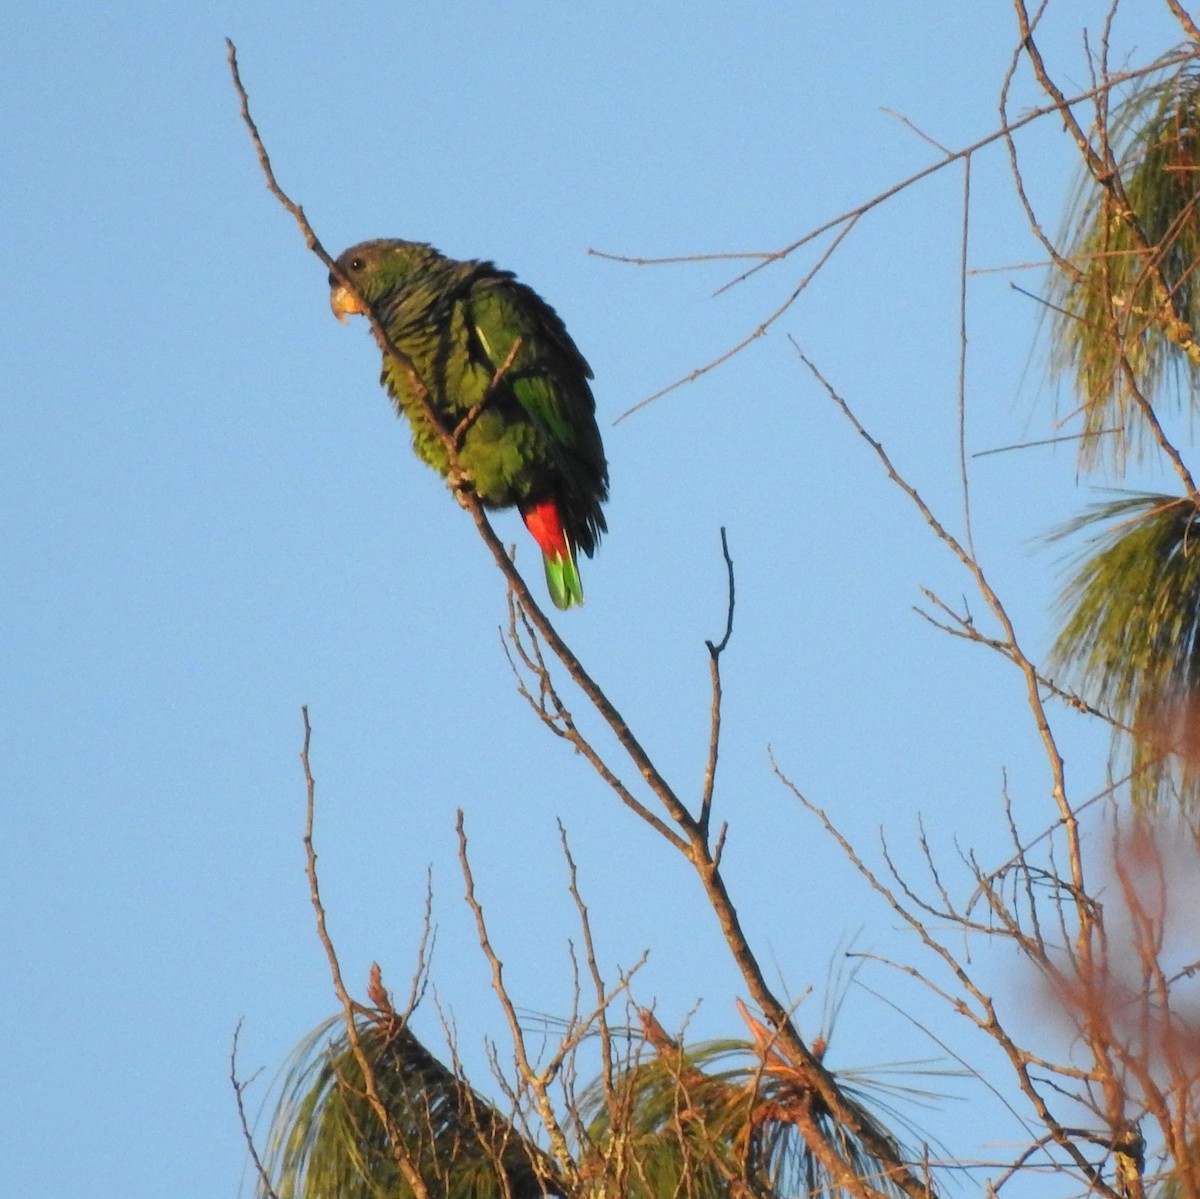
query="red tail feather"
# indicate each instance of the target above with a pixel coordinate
(542, 520)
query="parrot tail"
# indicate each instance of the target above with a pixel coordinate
(562, 577)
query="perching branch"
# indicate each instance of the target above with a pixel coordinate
(692, 837)
(1189, 26)
(450, 438)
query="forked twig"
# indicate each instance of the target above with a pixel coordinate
(239, 1087)
(350, 1009)
(846, 220)
(714, 664)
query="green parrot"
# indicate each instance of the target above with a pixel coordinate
(534, 443)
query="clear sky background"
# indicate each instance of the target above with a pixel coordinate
(209, 516)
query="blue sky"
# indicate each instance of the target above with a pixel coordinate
(209, 516)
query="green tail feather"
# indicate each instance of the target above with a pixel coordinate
(563, 582)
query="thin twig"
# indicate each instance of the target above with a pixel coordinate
(464, 426)
(350, 1009)
(537, 1081)
(1015, 653)
(268, 1191)
(420, 975)
(1039, 441)
(962, 359)
(553, 712)
(714, 663)
(767, 257)
(758, 332)
(925, 137)
(846, 220)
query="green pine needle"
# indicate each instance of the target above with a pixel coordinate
(709, 1122)
(1131, 636)
(1114, 310)
(326, 1142)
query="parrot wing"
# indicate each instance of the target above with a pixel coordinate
(548, 375)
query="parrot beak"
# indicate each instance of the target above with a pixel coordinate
(344, 303)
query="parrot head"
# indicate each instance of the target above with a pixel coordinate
(343, 301)
(376, 269)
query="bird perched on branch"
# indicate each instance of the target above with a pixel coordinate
(505, 383)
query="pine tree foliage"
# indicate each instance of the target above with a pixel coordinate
(720, 1119)
(1125, 315)
(327, 1142)
(1131, 637)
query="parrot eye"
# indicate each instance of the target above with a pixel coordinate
(357, 264)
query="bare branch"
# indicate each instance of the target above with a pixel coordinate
(1189, 26)
(714, 737)
(962, 358)
(238, 1090)
(845, 221)
(537, 1081)
(1019, 658)
(350, 1009)
(692, 376)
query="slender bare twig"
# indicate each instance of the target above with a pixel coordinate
(925, 137)
(676, 259)
(767, 257)
(755, 334)
(460, 431)
(962, 358)
(239, 1087)
(582, 1027)
(1022, 661)
(420, 974)
(350, 1009)
(845, 221)
(965, 628)
(607, 1059)
(553, 712)
(537, 1081)
(1040, 441)
(1008, 128)
(714, 658)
